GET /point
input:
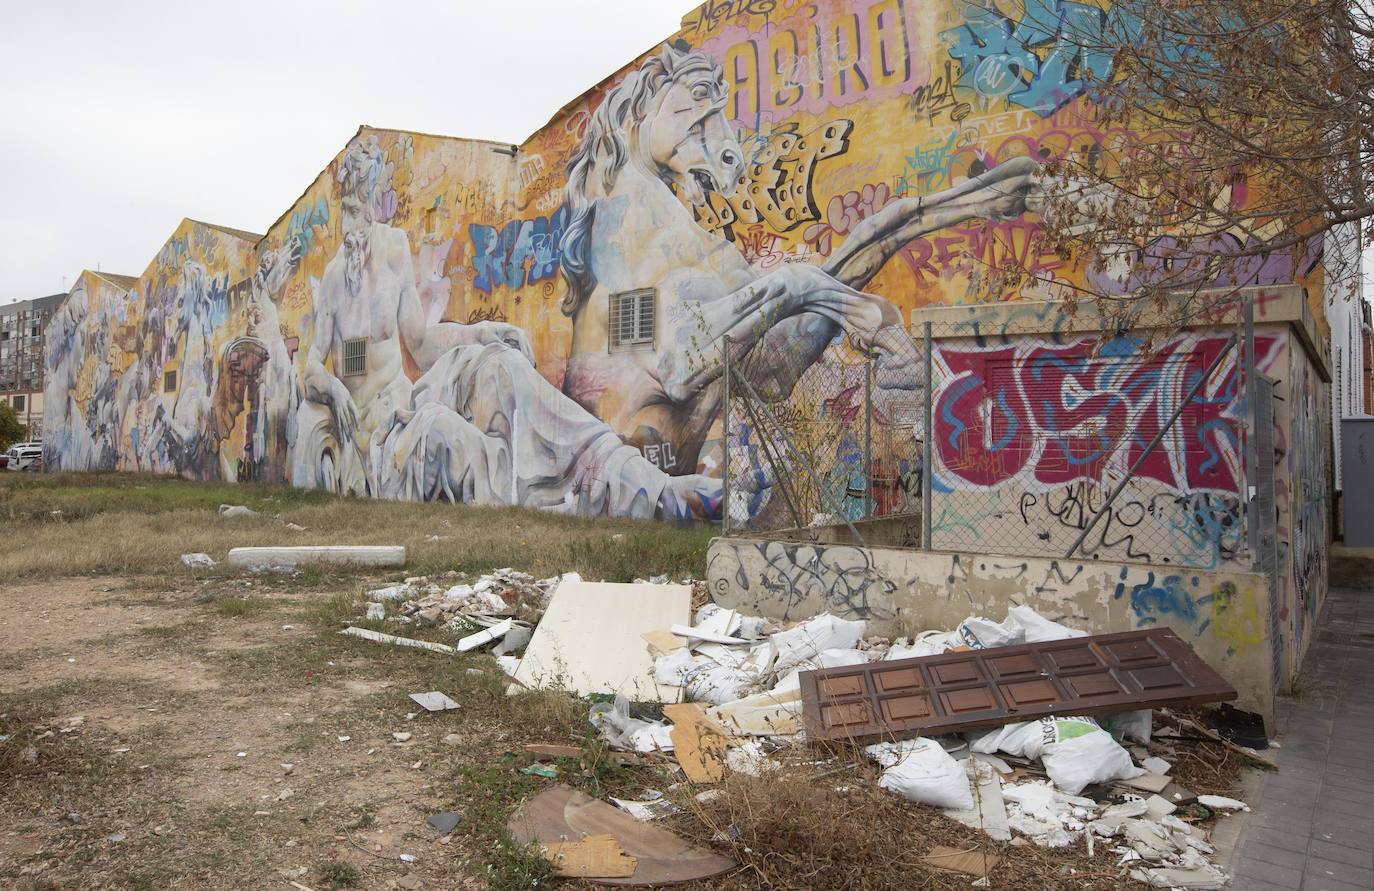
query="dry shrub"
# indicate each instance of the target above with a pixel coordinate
(829, 826)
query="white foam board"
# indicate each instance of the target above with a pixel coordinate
(589, 639)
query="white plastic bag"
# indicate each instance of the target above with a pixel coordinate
(979, 633)
(928, 643)
(1038, 629)
(613, 721)
(920, 770)
(807, 640)
(718, 684)
(673, 669)
(1135, 726)
(1083, 760)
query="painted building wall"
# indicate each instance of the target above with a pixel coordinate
(430, 319)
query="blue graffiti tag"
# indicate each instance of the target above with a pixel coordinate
(1040, 62)
(499, 258)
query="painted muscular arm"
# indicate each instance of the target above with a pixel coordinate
(428, 342)
(320, 385)
(1000, 193)
(750, 313)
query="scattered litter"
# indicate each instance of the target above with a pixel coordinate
(393, 592)
(434, 701)
(1238, 726)
(750, 759)
(613, 721)
(382, 637)
(236, 510)
(294, 527)
(547, 771)
(401, 737)
(408, 858)
(989, 811)
(561, 813)
(287, 769)
(444, 822)
(117, 837)
(1146, 782)
(971, 863)
(376, 611)
(486, 636)
(201, 560)
(345, 738)
(327, 555)
(241, 755)
(1156, 765)
(1222, 803)
(651, 808)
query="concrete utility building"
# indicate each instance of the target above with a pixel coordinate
(23, 327)
(542, 324)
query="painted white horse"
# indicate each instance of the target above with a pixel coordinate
(663, 133)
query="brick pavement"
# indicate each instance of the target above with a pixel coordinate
(1313, 826)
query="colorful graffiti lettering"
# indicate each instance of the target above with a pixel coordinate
(500, 259)
(1061, 413)
(1041, 61)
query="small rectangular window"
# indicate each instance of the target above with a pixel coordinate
(632, 318)
(169, 382)
(19, 403)
(355, 356)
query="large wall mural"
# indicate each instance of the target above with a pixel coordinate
(442, 318)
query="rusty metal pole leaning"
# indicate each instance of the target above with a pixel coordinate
(725, 440)
(1154, 442)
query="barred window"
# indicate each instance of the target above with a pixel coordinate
(169, 381)
(632, 318)
(19, 402)
(355, 356)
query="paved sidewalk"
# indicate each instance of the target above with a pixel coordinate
(1313, 826)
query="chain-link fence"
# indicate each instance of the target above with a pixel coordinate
(1127, 447)
(824, 435)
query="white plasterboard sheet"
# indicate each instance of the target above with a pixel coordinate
(589, 639)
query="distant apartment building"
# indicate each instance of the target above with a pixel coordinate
(22, 327)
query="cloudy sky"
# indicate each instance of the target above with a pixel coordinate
(119, 119)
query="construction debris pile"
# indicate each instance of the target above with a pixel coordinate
(739, 688)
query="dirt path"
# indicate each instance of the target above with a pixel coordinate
(212, 737)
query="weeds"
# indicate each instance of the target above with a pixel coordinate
(339, 874)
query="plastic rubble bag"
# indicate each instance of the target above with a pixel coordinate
(718, 684)
(1075, 751)
(979, 633)
(750, 759)
(827, 659)
(612, 720)
(1135, 726)
(920, 770)
(807, 640)
(1038, 629)
(928, 643)
(673, 669)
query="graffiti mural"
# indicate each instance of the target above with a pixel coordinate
(541, 324)
(1032, 433)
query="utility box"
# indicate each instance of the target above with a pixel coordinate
(1357, 468)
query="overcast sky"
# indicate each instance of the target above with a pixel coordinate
(119, 119)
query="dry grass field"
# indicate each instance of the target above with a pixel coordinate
(170, 728)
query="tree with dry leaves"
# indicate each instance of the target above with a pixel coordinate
(1237, 152)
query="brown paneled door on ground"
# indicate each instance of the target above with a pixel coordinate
(955, 692)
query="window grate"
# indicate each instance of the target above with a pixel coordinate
(169, 381)
(355, 356)
(632, 319)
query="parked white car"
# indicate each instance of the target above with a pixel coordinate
(25, 456)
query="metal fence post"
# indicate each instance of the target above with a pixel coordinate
(1248, 413)
(927, 452)
(868, 439)
(725, 440)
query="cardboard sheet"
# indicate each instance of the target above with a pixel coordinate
(591, 639)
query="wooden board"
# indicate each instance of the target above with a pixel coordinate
(594, 857)
(561, 814)
(698, 742)
(971, 863)
(591, 639)
(957, 692)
